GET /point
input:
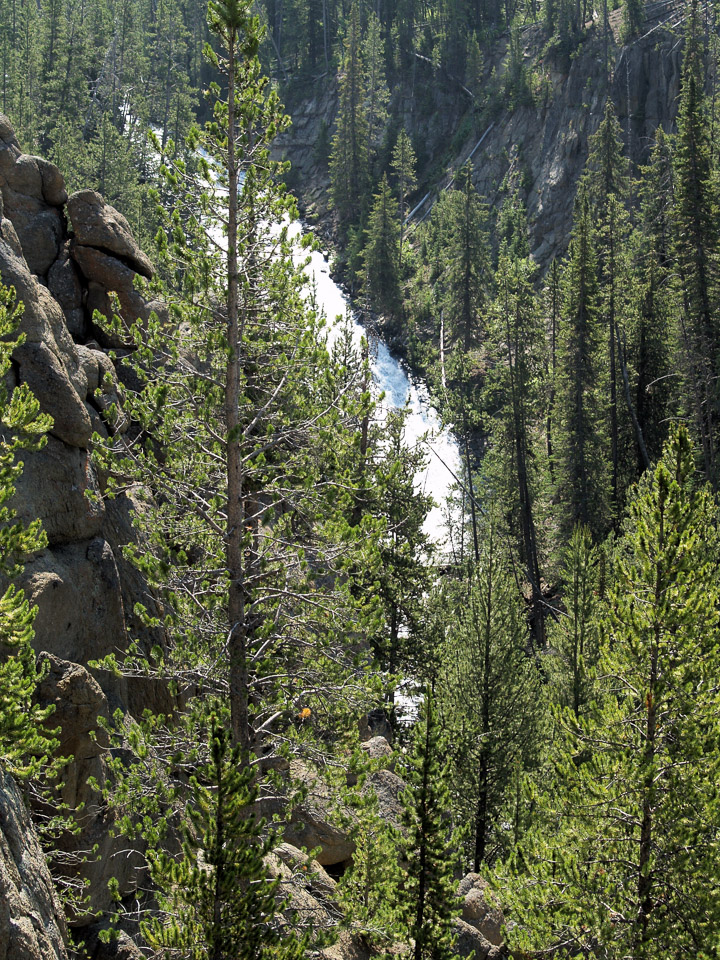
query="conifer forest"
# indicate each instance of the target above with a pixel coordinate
(359, 479)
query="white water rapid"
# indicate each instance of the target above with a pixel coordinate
(423, 425)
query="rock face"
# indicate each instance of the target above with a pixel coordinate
(32, 925)
(311, 890)
(33, 196)
(64, 256)
(471, 943)
(77, 582)
(539, 148)
(96, 224)
(542, 149)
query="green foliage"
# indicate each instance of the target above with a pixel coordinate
(623, 854)
(696, 249)
(381, 260)
(429, 904)
(25, 742)
(404, 549)
(459, 253)
(581, 464)
(216, 898)
(573, 638)
(403, 167)
(349, 156)
(633, 19)
(370, 889)
(489, 699)
(653, 303)
(607, 182)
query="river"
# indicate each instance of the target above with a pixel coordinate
(391, 378)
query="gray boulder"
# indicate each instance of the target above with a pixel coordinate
(54, 487)
(33, 193)
(97, 224)
(80, 704)
(480, 908)
(471, 943)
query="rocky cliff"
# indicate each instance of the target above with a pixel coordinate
(64, 256)
(539, 147)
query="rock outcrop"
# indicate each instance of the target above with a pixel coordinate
(80, 705)
(65, 257)
(32, 924)
(479, 928)
(80, 583)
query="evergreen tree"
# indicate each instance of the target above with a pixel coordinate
(696, 249)
(349, 160)
(369, 890)
(25, 744)
(381, 254)
(516, 335)
(243, 440)
(378, 95)
(606, 177)
(653, 307)
(463, 258)
(489, 697)
(552, 307)
(403, 167)
(581, 464)
(428, 903)
(404, 549)
(633, 19)
(217, 900)
(573, 638)
(623, 858)
(474, 68)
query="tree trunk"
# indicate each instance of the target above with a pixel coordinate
(237, 625)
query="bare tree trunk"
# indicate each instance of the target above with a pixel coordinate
(237, 617)
(483, 775)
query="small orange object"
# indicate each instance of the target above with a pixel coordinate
(304, 713)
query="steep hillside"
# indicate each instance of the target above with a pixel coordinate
(538, 146)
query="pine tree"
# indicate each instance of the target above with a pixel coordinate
(381, 255)
(464, 258)
(696, 248)
(243, 440)
(428, 903)
(488, 696)
(581, 471)
(217, 900)
(403, 167)
(573, 638)
(378, 95)
(349, 160)
(368, 891)
(653, 307)
(511, 392)
(404, 551)
(633, 19)
(25, 744)
(623, 857)
(607, 180)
